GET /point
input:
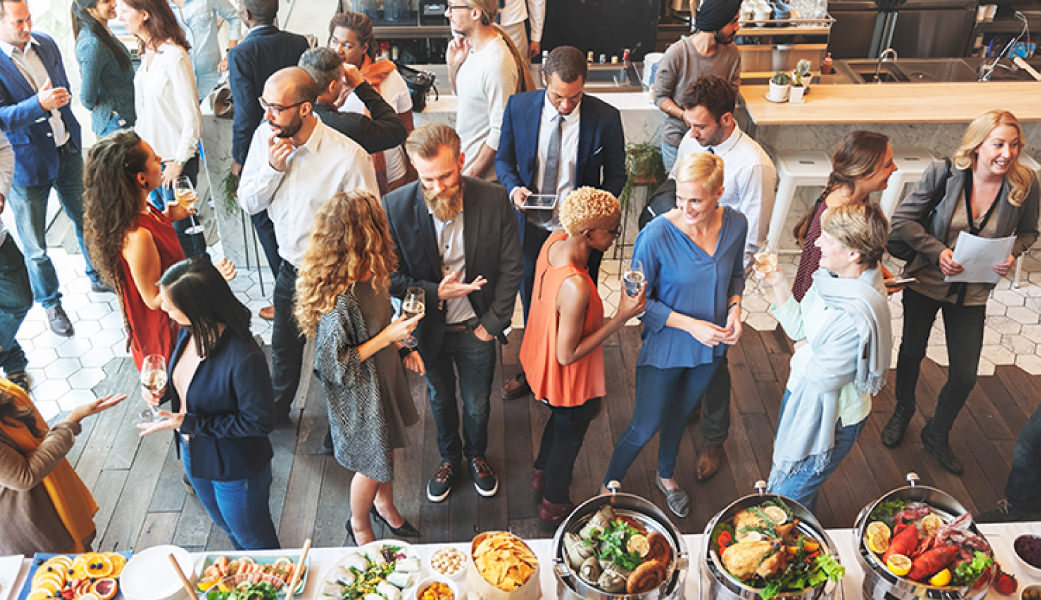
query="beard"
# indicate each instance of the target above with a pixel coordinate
(722, 38)
(448, 204)
(287, 131)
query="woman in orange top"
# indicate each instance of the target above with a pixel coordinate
(561, 354)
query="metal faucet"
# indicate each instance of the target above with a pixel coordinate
(881, 59)
(987, 70)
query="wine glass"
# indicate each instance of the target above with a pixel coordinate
(633, 278)
(413, 305)
(153, 379)
(765, 263)
(185, 194)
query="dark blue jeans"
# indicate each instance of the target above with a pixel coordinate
(192, 244)
(239, 507)
(963, 328)
(561, 441)
(475, 361)
(1023, 489)
(16, 298)
(29, 204)
(664, 400)
(287, 343)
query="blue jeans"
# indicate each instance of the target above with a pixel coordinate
(664, 400)
(115, 123)
(29, 204)
(16, 298)
(668, 155)
(801, 485)
(475, 361)
(1023, 489)
(194, 244)
(239, 507)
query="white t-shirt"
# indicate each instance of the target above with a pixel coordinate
(484, 83)
(395, 92)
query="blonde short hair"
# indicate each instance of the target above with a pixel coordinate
(965, 157)
(703, 168)
(588, 208)
(427, 140)
(861, 228)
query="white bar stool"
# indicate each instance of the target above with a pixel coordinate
(911, 164)
(794, 169)
(1027, 161)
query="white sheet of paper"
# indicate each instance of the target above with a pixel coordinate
(978, 255)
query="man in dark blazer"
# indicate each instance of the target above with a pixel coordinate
(456, 239)
(265, 49)
(590, 151)
(36, 117)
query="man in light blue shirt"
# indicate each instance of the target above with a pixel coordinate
(198, 19)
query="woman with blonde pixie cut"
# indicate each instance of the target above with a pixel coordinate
(844, 319)
(342, 299)
(561, 353)
(693, 257)
(987, 193)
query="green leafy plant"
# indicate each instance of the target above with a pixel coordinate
(643, 167)
(800, 75)
(229, 188)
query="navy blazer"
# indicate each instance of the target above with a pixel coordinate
(601, 144)
(24, 121)
(265, 50)
(231, 409)
(491, 248)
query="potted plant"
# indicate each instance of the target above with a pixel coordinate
(800, 79)
(644, 167)
(780, 83)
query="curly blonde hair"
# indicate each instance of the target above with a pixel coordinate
(965, 157)
(587, 208)
(350, 242)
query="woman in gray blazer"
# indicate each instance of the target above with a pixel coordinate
(984, 191)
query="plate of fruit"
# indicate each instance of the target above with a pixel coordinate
(88, 576)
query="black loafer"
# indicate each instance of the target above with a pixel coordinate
(895, 429)
(406, 529)
(940, 448)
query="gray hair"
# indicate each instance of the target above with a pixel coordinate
(323, 65)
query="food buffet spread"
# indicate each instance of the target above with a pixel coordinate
(915, 542)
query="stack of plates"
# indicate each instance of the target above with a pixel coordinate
(148, 575)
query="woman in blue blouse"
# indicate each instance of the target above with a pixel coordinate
(693, 258)
(222, 404)
(107, 88)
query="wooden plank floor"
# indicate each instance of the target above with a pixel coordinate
(137, 482)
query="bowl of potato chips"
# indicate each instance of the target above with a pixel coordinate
(501, 565)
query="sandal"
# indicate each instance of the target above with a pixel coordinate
(678, 501)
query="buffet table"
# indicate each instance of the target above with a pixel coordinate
(322, 559)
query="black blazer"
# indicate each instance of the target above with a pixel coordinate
(231, 409)
(265, 50)
(492, 249)
(380, 130)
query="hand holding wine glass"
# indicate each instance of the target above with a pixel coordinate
(765, 267)
(186, 196)
(413, 306)
(634, 278)
(153, 382)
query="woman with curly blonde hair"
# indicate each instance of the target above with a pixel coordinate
(342, 299)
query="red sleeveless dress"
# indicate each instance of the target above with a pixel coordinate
(151, 331)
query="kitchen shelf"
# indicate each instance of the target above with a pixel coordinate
(769, 27)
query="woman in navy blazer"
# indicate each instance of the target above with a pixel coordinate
(222, 404)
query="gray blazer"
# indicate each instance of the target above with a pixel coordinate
(906, 224)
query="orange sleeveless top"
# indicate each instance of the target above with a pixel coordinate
(560, 385)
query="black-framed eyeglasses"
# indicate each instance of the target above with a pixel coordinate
(617, 231)
(276, 109)
(452, 7)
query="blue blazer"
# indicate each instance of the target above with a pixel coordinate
(231, 409)
(601, 144)
(265, 50)
(24, 122)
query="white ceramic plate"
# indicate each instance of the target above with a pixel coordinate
(10, 566)
(406, 548)
(148, 575)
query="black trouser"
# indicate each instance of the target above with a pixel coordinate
(266, 234)
(287, 343)
(561, 441)
(715, 406)
(532, 238)
(963, 328)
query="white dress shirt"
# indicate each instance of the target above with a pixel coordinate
(35, 72)
(451, 245)
(749, 179)
(328, 163)
(167, 106)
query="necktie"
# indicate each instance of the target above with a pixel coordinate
(710, 150)
(549, 174)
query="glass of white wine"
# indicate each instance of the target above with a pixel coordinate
(765, 263)
(413, 305)
(153, 379)
(185, 194)
(633, 278)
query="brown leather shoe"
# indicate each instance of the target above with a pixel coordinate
(267, 313)
(708, 462)
(538, 481)
(516, 387)
(552, 513)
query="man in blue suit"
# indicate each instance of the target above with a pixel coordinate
(553, 141)
(265, 49)
(36, 117)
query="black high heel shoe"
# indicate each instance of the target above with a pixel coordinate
(350, 534)
(406, 529)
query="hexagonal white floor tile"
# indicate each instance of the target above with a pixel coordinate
(1029, 363)
(62, 368)
(97, 357)
(73, 347)
(93, 311)
(938, 354)
(107, 338)
(41, 357)
(998, 355)
(1007, 297)
(1022, 314)
(761, 322)
(74, 398)
(50, 389)
(985, 368)
(86, 378)
(49, 410)
(1004, 325)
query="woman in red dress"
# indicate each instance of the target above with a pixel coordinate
(130, 241)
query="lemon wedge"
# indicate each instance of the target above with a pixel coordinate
(899, 565)
(941, 579)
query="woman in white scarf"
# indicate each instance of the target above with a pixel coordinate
(844, 322)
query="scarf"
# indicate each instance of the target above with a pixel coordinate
(375, 72)
(72, 500)
(806, 429)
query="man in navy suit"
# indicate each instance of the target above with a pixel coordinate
(265, 49)
(553, 141)
(36, 117)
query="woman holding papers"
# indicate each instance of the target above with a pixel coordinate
(983, 191)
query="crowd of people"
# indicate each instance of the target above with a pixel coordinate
(361, 215)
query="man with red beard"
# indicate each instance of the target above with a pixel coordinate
(456, 238)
